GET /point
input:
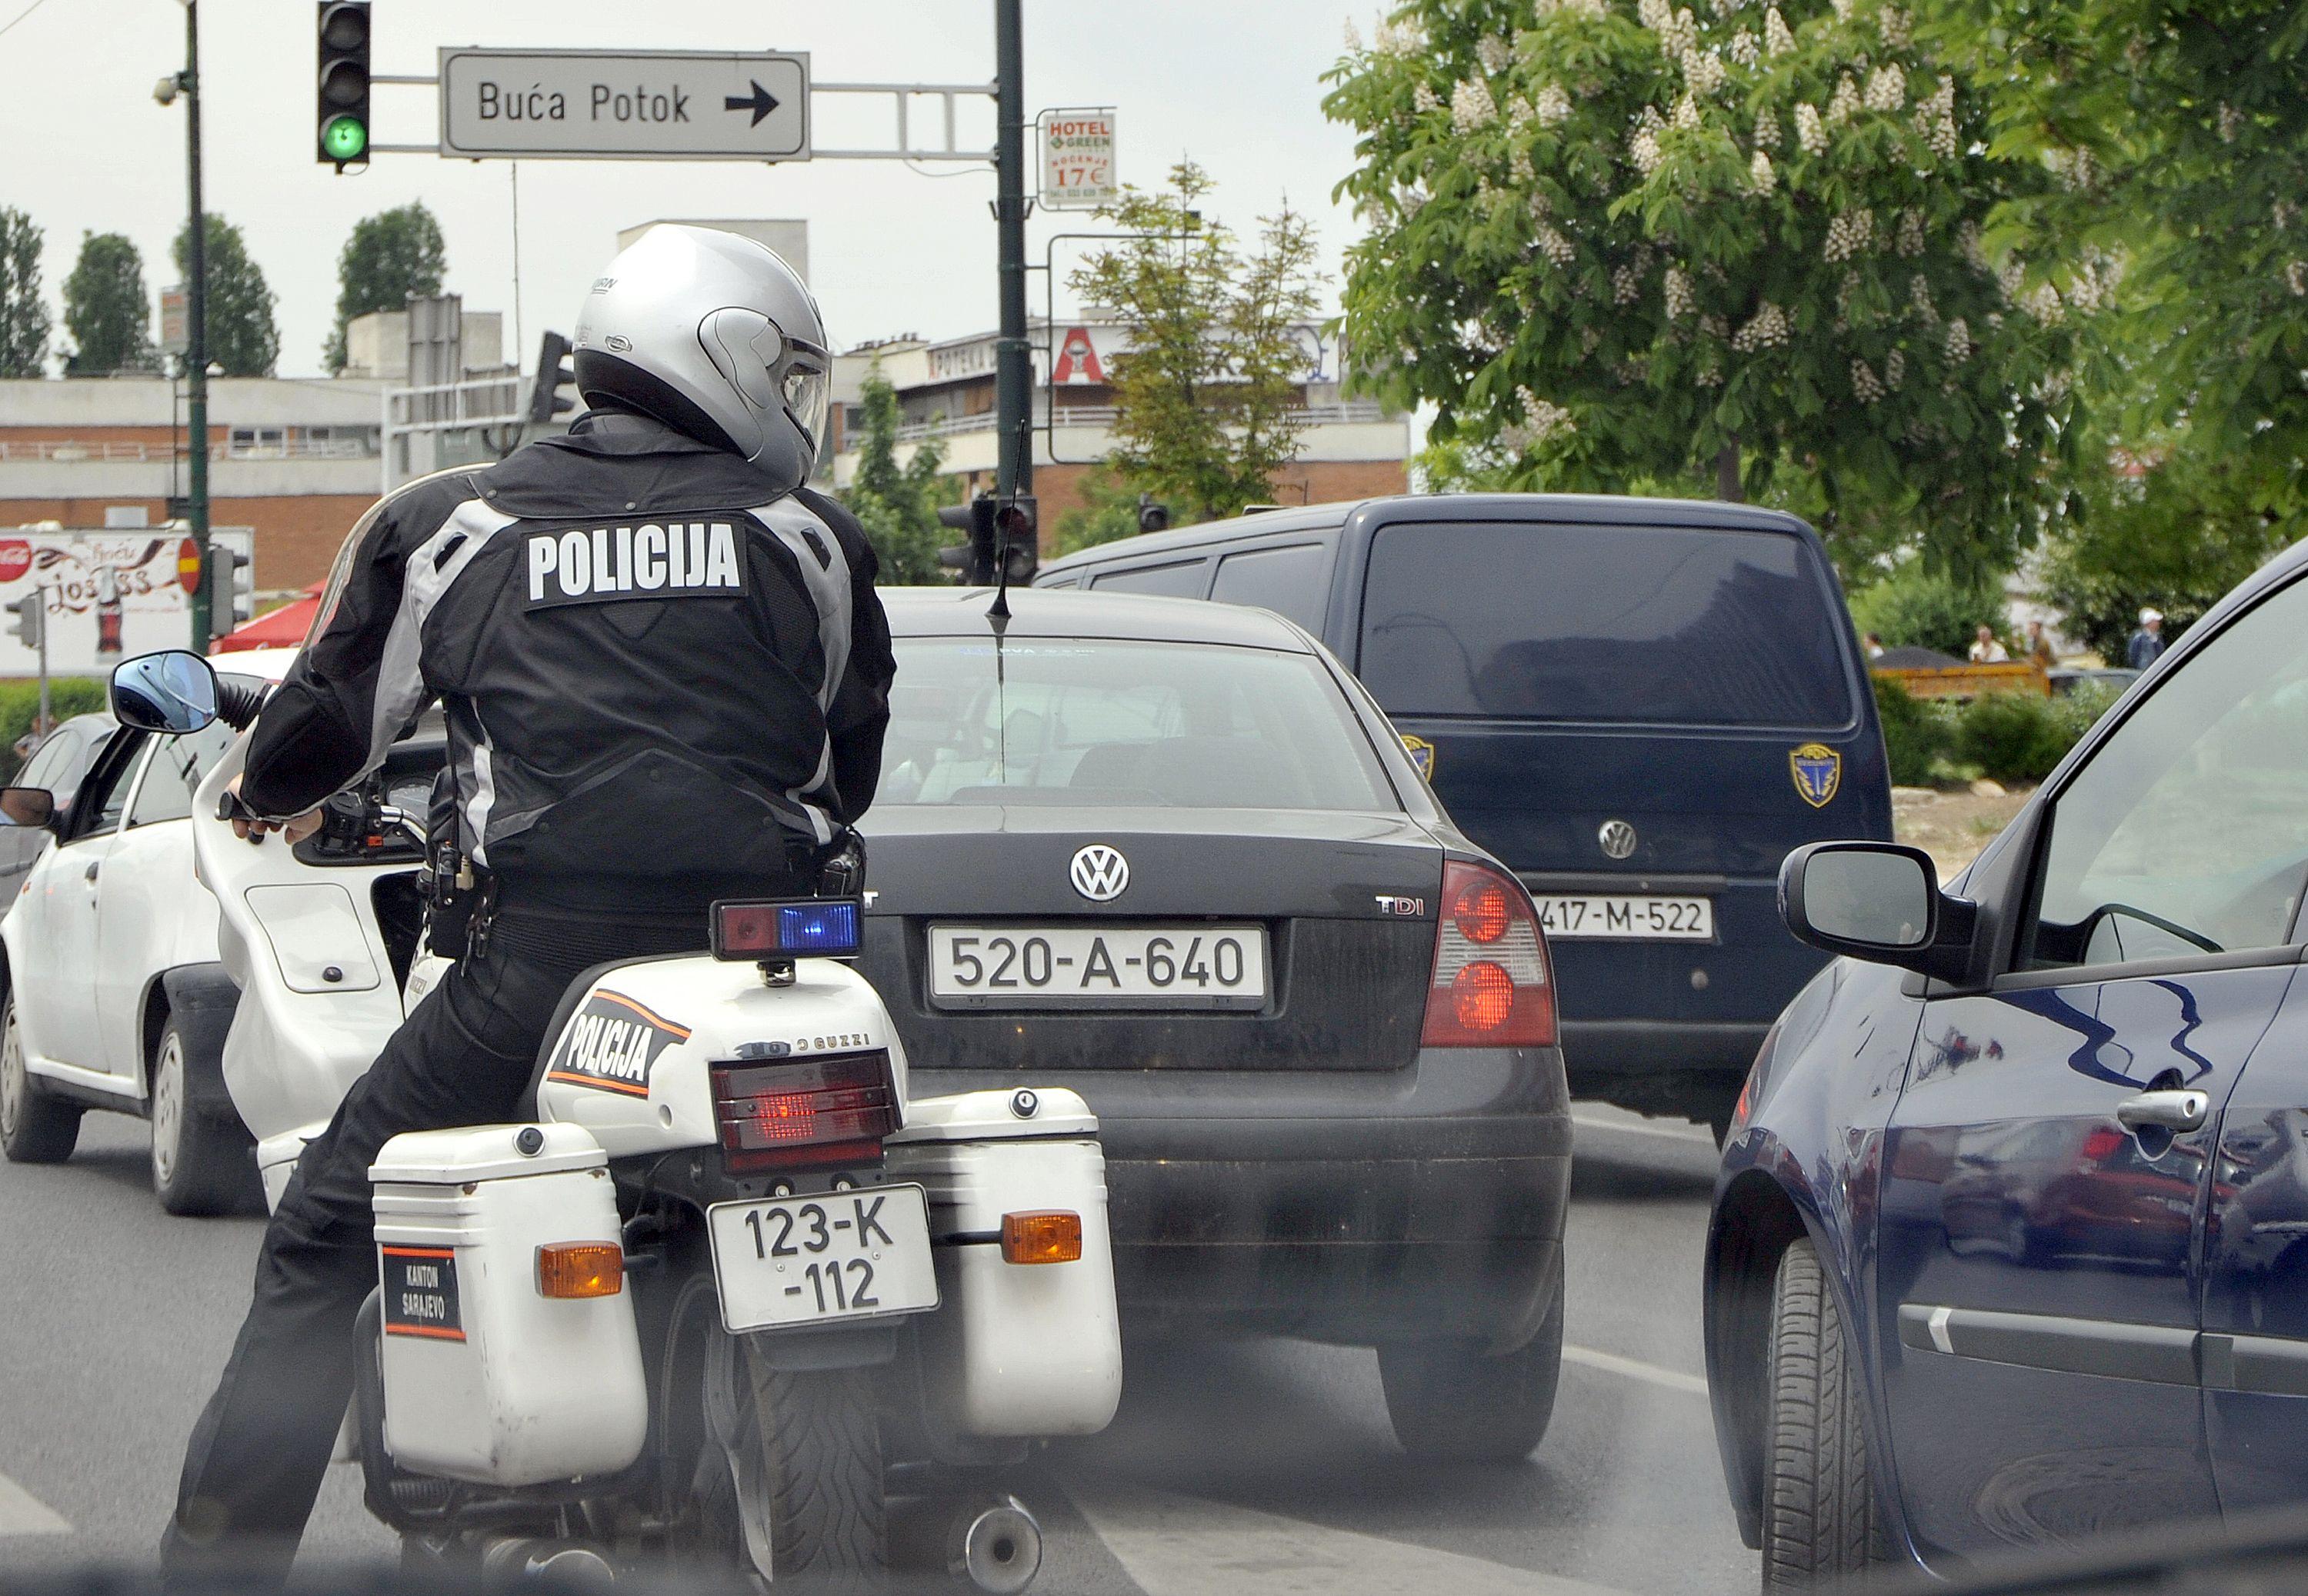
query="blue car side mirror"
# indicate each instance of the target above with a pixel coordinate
(1877, 901)
(172, 692)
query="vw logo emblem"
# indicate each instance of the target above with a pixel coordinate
(1618, 838)
(1099, 873)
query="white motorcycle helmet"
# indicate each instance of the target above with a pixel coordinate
(714, 335)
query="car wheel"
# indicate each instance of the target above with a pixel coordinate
(201, 1164)
(1451, 1403)
(1821, 1522)
(34, 1126)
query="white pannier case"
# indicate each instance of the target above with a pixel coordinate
(486, 1377)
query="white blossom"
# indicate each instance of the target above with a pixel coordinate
(1959, 342)
(1845, 103)
(1686, 112)
(1892, 23)
(2231, 121)
(1850, 233)
(1541, 420)
(1919, 299)
(1767, 129)
(1553, 105)
(1710, 372)
(2011, 278)
(1518, 164)
(1887, 88)
(1702, 71)
(1354, 39)
(1472, 107)
(1627, 283)
(2296, 278)
(1895, 368)
(1541, 207)
(2286, 212)
(1493, 53)
(1760, 176)
(2044, 304)
(1423, 98)
(1679, 301)
(1866, 387)
(1768, 328)
(1967, 238)
(1778, 38)
(1404, 38)
(1555, 247)
(1643, 149)
(1715, 327)
(1911, 233)
(1810, 132)
(1744, 48)
(1935, 120)
(1411, 201)
(1842, 10)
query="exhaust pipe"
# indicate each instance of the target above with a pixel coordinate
(990, 1543)
(520, 1559)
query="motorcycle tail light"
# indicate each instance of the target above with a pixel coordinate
(807, 1114)
(578, 1269)
(1048, 1236)
(1492, 985)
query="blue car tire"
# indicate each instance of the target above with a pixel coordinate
(1820, 1518)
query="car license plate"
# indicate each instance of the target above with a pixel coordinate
(1025, 966)
(1604, 917)
(810, 1261)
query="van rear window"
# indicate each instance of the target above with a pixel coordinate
(1586, 622)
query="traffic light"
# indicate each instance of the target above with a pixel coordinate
(343, 120)
(1153, 515)
(31, 617)
(1018, 537)
(230, 604)
(974, 559)
(554, 372)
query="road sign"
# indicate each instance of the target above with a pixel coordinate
(1078, 159)
(175, 339)
(625, 105)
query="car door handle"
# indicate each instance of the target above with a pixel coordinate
(89, 873)
(2164, 1111)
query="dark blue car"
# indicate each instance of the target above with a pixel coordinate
(1640, 705)
(2011, 1242)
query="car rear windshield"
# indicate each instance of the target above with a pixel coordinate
(1102, 722)
(1587, 623)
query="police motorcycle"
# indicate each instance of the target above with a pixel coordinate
(732, 1299)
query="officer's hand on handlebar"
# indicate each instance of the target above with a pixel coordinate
(252, 829)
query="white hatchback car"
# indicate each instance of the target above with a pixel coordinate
(114, 998)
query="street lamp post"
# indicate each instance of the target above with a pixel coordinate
(196, 327)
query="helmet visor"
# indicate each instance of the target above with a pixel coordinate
(807, 393)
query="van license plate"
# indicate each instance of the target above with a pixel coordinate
(1598, 917)
(810, 1261)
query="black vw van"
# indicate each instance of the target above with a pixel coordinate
(1641, 705)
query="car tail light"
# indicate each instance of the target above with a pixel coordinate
(1492, 987)
(807, 1114)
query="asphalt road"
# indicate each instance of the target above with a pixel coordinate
(1233, 1467)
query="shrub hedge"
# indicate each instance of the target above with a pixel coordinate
(2012, 737)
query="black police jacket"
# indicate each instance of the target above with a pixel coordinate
(662, 676)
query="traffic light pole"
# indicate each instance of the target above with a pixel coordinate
(48, 721)
(196, 327)
(1013, 367)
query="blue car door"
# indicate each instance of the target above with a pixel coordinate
(2052, 1157)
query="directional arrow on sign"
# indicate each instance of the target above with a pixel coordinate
(760, 103)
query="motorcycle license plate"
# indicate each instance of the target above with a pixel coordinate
(812, 1260)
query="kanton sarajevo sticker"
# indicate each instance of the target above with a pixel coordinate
(420, 1293)
(610, 1044)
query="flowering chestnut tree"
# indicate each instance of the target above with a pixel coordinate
(1621, 243)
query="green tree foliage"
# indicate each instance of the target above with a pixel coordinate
(1612, 242)
(1207, 395)
(389, 258)
(24, 314)
(2175, 527)
(2178, 138)
(896, 505)
(106, 310)
(242, 338)
(20, 705)
(1109, 509)
(1914, 607)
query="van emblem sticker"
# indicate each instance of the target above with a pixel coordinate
(1421, 752)
(610, 1044)
(1818, 771)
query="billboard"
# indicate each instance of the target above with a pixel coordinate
(107, 595)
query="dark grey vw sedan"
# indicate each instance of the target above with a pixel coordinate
(1171, 854)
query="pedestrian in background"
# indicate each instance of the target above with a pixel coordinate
(1986, 650)
(2039, 646)
(2147, 644)
(1873, 643)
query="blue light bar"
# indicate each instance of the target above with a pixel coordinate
(789, 928)
(828, 929)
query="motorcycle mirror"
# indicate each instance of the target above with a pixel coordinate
(171, 693)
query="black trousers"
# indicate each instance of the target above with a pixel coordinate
(464, 1056)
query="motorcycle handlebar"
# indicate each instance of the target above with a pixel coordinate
(237, 705)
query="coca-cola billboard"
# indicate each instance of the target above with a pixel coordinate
(108, 594)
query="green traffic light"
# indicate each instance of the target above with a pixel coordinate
(345, 138)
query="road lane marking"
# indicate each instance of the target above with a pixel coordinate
(23, 1514)
(1674, 1133)
(1191, 1546)
(1674, 1379)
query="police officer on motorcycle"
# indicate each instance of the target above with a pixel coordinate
(666, 675)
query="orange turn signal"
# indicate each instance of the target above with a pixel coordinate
(580, 1269)
(1049, 1236)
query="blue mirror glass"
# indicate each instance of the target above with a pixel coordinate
(173, 693)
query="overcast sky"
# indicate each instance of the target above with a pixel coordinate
(1236, 84)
